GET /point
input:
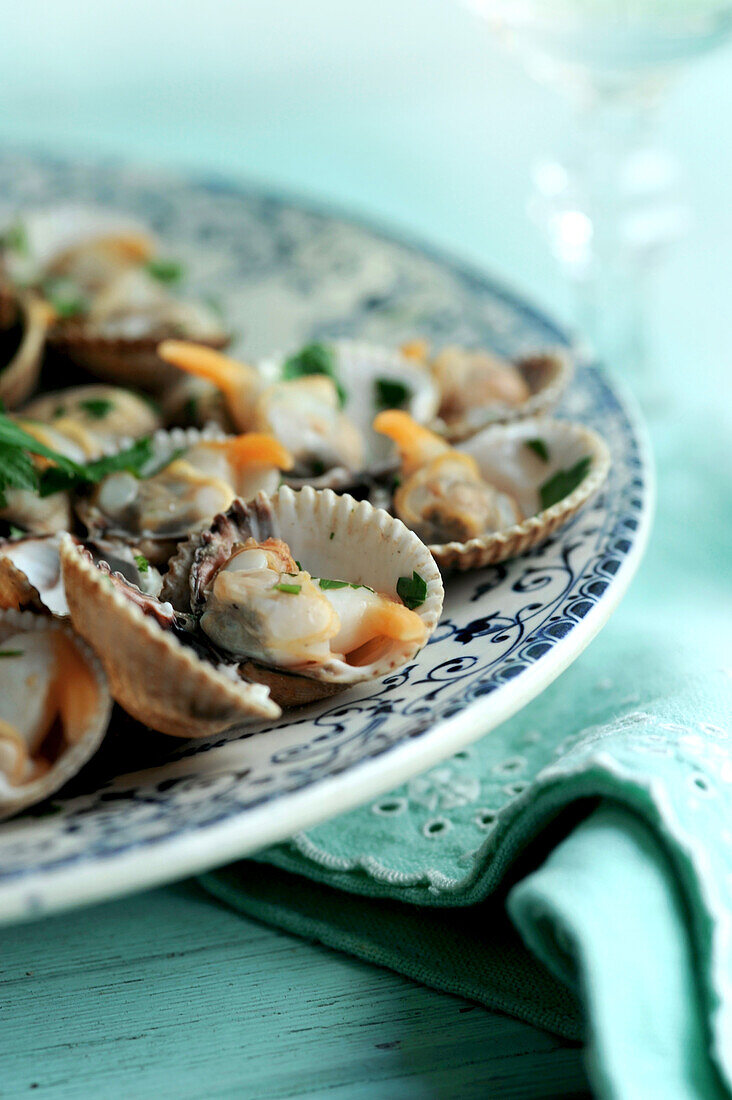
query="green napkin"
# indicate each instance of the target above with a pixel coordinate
(599, 820)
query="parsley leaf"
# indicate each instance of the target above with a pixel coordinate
(17, 470)
(11, 652)
(165, 271)
(133, 459)
(65, 297)
(314, 359)
(390, 393)
(325, 584)
(15, 238)
(290, 589)
(563, 482)
(97, 407)
(143, 565)
(412, 591)
(539, 447)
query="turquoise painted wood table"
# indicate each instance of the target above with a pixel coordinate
(404, 112)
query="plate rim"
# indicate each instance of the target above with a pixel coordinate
(117, 875)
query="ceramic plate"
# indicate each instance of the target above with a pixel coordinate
(150, 809)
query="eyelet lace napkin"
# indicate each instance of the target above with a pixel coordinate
(575, 866)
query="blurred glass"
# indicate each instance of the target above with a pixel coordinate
(610, 204)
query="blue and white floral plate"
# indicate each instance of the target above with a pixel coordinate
(150, 809)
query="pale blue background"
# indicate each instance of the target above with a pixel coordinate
(406, 112)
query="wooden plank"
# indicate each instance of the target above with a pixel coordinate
(170, 994)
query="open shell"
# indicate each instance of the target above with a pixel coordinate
(119, 415)
(153, 675)
(30, 572)
(547, 375)
(123, 361)
(166, 445)
(506, 462)
(333, 536)
(358, 367)
(19, 378)
(83, 728)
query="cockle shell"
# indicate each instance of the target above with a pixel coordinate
(129, 416)
(512, 467)
(358, 367)
(30, 572)
(83, 700)
(125, 361)
(547, 375)
(154, 676)
(19, 377)
(333, 536)
(166, 444)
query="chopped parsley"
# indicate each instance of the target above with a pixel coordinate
(11, 652)
(299, 567)
(60, 410)
(65, 297)
(412, 591)
(332, 535)
(17, 469)
(97, 407)
(390, 393)
(563, 482)
(165, 271)
(314, 359)
(539, 447)
(71, 476)
(16, 532)
(290, 589)
(325, 584)
(143, 565)
(190, 409)
(15, 239)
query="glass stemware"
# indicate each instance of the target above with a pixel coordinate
(611, 203)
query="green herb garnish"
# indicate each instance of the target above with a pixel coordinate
(15, 238)
(65, 297)
(17, 470)
(290, 589)
(390, 393)
(11, 652)
(332, 535)
(16, 532)
(60, 410)
(59, 478)
(539, 447)
(297, 563)
(412, 591)
(563, 482)
(97, 407)
(165, 271)
(190, 409)
(325, 583)
(143, 565)
(314, 359)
